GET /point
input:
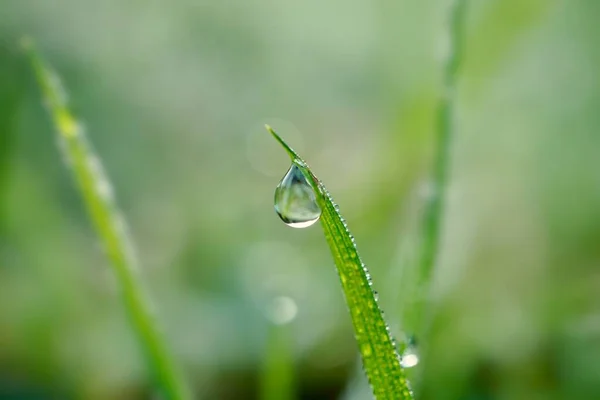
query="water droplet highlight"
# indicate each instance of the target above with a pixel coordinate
(295, 200)
(410, 355)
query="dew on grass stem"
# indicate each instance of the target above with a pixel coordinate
(410, 357)
(295, 200)
(381, 361)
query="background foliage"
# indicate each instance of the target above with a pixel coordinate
(174, 96)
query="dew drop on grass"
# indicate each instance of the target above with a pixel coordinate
(295, 200)
(410, 355)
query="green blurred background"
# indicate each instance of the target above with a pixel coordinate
(175, 94)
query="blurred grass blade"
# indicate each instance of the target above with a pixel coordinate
(97, 195)
(11, 76)
(414, 318)
(380, 358)
(278, 369)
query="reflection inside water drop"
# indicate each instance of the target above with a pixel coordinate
(295, 200)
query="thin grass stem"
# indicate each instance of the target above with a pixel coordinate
(97, 195)
(430, 232)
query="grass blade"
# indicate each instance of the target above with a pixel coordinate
(12, 90)
(277, 380)
(414, 320)
(97, 195)
(377, 348)
(433, 214)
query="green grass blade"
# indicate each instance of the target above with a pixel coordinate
(433, 213)
(377, 349)
(277, 380)
(11, 76)
(413, 309)
(97, 195)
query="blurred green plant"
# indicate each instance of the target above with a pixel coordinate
(378, 351)
(10, 95)
(97, 194)
(433, 213)
(277, 379)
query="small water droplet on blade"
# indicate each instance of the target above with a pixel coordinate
(295, 200)
(410, 355)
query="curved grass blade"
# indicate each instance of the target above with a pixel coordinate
(97, 195)
(380, 358)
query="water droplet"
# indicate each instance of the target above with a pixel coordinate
(410, 355)
(295, 200)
